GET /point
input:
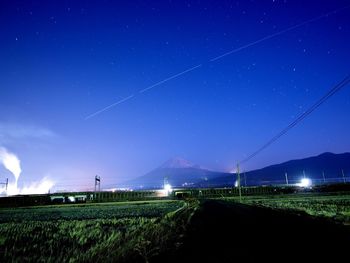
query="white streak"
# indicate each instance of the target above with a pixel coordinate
(108, 107)
(276, 34)
(172, 77)
(218, 57)
(142, 91)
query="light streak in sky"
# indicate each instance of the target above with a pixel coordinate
(278, 33)
(109, 106)
(172, 77)
(217, 58)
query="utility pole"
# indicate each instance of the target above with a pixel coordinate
(97, 183)
(245, 180)
(6, 184)
(342, 171)
(97, 186)
(286, 175)
(304, 173)
(324, 178)
(239, 184)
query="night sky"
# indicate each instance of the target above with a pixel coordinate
(63, 61)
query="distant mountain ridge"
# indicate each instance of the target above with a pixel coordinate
(326, 167)
(182, 173)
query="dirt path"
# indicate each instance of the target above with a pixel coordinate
(228, 232)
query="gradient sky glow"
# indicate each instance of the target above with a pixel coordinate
(61, 61)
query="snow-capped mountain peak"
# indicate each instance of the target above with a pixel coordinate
(178, 162)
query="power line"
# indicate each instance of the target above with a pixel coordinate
(306, 113)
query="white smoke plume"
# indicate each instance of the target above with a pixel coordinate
(40, 187)
(11, 162)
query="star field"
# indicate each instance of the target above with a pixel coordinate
(61, 62)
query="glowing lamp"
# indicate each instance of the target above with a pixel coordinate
(305, 182)
(167, 188)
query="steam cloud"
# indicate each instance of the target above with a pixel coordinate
(41, 187)
(11, 162)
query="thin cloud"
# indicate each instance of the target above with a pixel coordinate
(12, 131)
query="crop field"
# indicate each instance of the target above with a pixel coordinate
(126, 232)
(336, 207)
(148, 209)
(158, 231)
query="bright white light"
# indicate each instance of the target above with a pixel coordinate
(167, 188)
(165, 191)
(305, 182)
(236, 183)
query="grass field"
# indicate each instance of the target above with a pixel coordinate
(336, 207)
(126, 232)
(158, 231)
(148, 209)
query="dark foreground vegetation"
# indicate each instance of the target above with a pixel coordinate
(191, 231)
(129, 232)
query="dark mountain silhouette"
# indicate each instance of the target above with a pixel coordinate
(330, 164)
(182, 173)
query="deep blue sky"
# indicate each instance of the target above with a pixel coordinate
(61, 61)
